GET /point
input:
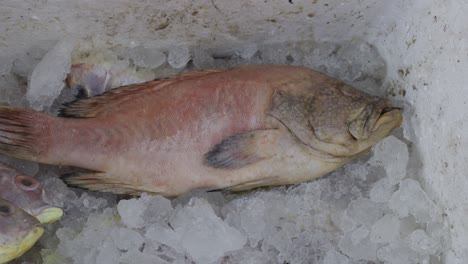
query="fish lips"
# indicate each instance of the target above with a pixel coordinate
(389, 115)
(48, 215)
(374, 116)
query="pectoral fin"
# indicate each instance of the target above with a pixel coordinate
(243, 149)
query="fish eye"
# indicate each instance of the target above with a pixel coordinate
(4, 209)
(79, 91)
(26, 183)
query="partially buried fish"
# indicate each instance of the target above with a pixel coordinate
(230, 129)
(19, 231)
(88, 80)
(26, 193)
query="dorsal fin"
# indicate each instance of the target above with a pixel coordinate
(94, 106)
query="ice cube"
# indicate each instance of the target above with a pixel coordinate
(11, 91)
(165, 235)
(135, 256)
(57, 192)
(411, 199)
(386, 229)
(91, 202)
(166, 253)
(250, 256)
(356, 245)
(203, 60)
(203, 234)
(392, 154)
(126, 239)
(381, 191)
(108, 253)
(138, 212)
(247, 51)
(364, 211)
(85, 246)
(420, 242)
(344, 221)
(178, 57)
(334, 257)
(46, 81)
(149, 58)
(397, 253)
(281, 241)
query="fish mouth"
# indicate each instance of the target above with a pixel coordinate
(15, 250)
(372, 117)
(389, 116)
(49, 215)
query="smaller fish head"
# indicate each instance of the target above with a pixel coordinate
(87, 80)
(19, 231)
(27, 193)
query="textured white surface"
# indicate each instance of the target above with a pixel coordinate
(423, 44)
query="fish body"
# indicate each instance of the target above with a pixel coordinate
(26, 193)
(19, 231)
(223, 129)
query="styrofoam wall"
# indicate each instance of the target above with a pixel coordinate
(423, 42)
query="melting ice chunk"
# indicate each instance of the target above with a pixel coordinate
(46, 81)
(356, 244)
(392, 154)
(411, 199)
(135, 213)
(108, 253)
(420, 242)
(203, 234)
(135, 256)
(203, 60)
(397, 253)
(250, 256)
(333, 257)
(381, 191)
(148, 58)
(247, 51)
(178, 57)
(386, 229)
(364, 211)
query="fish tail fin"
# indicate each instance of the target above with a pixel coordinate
(22, 133)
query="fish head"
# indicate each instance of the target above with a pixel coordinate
(27, 193)
(335, 121)
(87, 80)
(19, 231)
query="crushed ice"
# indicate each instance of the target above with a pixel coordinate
(369, 211)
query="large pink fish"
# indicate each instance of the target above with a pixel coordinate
(225, 129)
